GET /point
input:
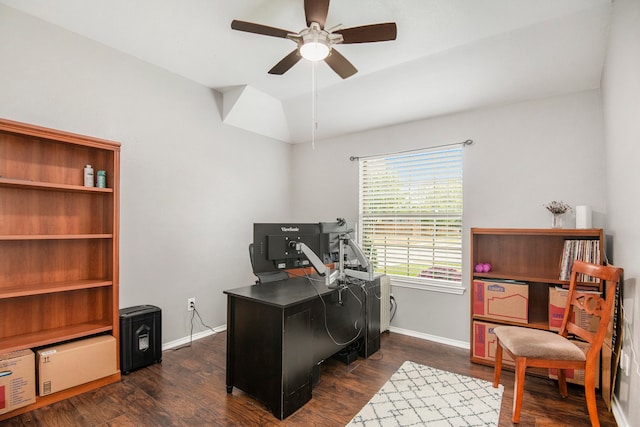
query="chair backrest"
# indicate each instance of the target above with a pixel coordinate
(592, 303)
(269, 276)
(253, 267)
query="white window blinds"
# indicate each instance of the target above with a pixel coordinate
(411, 214)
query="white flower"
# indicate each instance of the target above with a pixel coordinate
(556, 207)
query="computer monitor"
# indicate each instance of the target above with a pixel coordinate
(330, 238)
(274, 245)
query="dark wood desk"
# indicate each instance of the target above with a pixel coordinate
(278, 332)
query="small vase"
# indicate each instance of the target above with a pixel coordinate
(557, 220)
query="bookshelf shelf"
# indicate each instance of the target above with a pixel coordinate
(48, 186)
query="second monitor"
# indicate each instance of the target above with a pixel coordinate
(274, 245)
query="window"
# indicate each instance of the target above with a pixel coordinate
(411, 217)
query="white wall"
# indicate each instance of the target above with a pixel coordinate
(190, 187)
(621, 100)
(524, 155)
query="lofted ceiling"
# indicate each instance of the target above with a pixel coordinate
(449, 55)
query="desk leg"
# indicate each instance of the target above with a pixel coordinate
(230, 341)
(372, 320)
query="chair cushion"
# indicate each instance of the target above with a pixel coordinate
(536, 343)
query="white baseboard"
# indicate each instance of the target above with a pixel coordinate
(182, 341)
(186, 340)
(618, 414)
(428, 337)
(455, 343)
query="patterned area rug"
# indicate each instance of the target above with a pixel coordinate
(418, 395)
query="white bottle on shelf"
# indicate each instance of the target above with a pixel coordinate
(88, 176)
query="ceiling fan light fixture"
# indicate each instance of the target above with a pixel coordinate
(315, 44)
(314, 50)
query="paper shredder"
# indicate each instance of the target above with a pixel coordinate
(140, 337)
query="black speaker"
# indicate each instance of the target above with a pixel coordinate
(140, 337)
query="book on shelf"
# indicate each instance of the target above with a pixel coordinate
(589, 290)
(583, 250)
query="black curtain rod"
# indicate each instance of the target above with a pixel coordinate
(467, 142)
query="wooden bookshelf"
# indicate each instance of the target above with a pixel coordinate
(59, 242)
(531, 256)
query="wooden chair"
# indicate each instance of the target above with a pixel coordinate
(543, 349)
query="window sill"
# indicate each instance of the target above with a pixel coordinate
(428, 285)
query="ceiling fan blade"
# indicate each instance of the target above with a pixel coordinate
(316, 11)
(340, 64)
(286, 63)
(369, 33)
(250, 27)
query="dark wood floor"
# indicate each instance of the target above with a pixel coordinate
(188, 389)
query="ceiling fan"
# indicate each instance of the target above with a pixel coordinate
(315, 43)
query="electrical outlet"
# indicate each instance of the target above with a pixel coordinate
(191, 304)
(624, 362)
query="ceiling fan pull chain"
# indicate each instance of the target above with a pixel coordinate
(314, 89)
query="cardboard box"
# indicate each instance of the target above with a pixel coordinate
(557, 304)
(485, 343)
(577, 376)
(68, 365)
(501, 301)
(17, 380)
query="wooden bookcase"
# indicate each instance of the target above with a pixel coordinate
(58, 243)
(532, 256)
